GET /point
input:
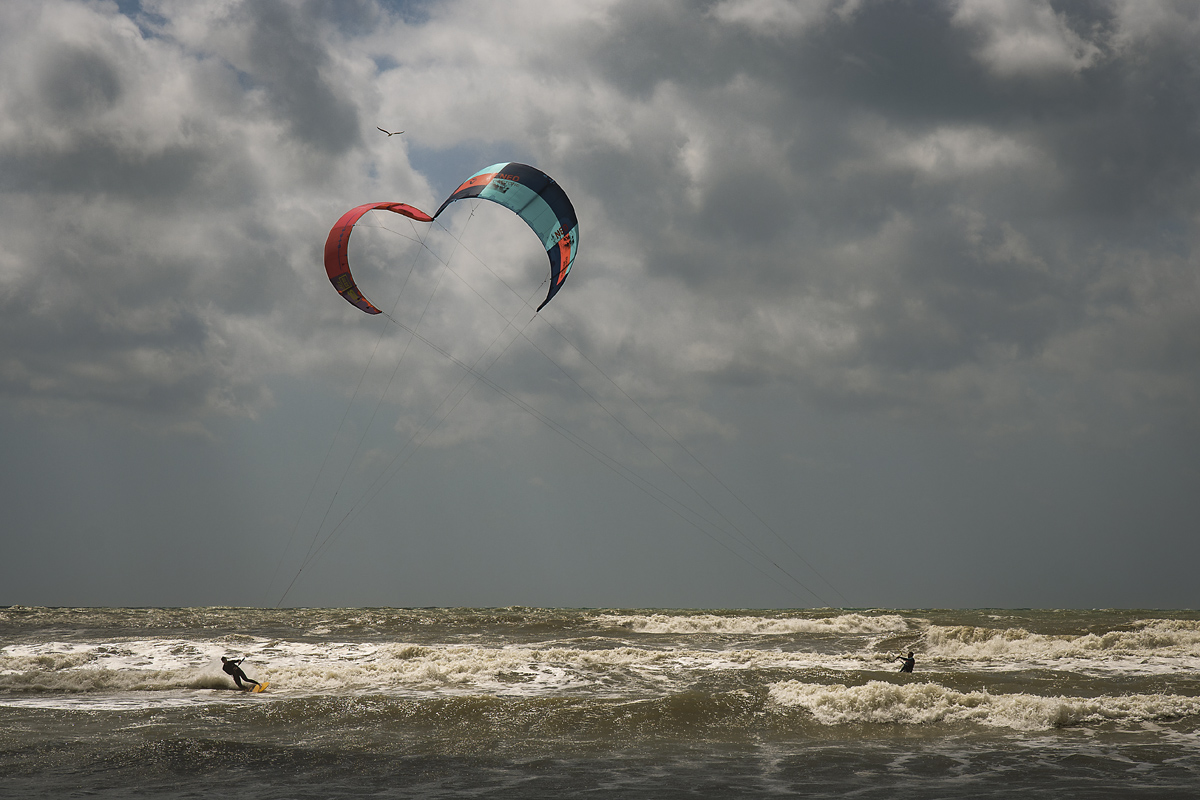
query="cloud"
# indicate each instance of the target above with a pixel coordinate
(978, 212)
(882, 264)
(1025, 38)
(154, 195)
(779, 17)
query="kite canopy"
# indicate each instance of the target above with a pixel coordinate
(530, 193)
(337, 263)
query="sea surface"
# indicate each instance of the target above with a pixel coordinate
(550, 703)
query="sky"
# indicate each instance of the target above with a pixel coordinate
(878, 303)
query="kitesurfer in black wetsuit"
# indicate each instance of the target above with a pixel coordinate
(232, 668)
(909, 662)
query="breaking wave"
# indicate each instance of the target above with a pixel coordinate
(397, 668)
(878, 702)
(844, 624)
(1144, 638)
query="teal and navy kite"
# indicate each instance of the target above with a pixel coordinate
(528, 191)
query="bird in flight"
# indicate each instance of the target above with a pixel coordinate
(389, 133)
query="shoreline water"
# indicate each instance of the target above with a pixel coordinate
(525, 702)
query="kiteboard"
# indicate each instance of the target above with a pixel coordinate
(261, 687)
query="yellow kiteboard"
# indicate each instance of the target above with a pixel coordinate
(261, 686)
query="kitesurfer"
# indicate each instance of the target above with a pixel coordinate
(234, 669)
(909, 662)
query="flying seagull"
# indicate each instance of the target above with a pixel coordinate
(389, 133)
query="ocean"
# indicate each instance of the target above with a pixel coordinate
(553, 703)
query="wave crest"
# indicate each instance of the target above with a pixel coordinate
(1158, 637)
(843, 624)
(878, 702)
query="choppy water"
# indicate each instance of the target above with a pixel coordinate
(525, 702)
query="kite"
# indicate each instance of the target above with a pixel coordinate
(530, 193)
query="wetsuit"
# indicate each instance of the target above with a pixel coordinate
(231, 667)
(908, 664)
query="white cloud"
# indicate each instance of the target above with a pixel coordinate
(779, 18)
(806, 227)
(744, 219)
(1025, 38)
(962, 152)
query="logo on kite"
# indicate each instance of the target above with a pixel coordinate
(530, 193)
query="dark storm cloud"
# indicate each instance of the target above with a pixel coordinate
(91, 327)
(905, 65)
(950, 302)
(137, 251)
(878, 200)
(287, 60)
(990, 151)
(76, 82)
(96, 164)
(890, 267)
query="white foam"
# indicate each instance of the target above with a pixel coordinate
(395, 668)
(304, 666)
(928, 703)
(844, 624)
(1146, 647)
